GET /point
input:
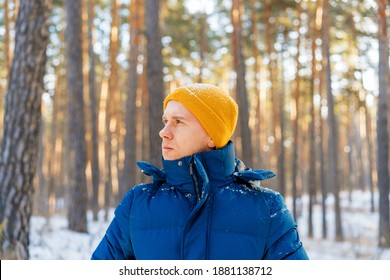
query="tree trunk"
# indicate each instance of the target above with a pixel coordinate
(76, 121)
(104, 137)
(108, 166)
(7, 57)
(93, 100)
(323, 178)
(144, 116)
(7, 45)
(382, 129)
(41, 183)
(275, 121)
(241, 92)
(281, 159)
(256, 81)
(53, 164)
(19, 146)
(113, 102)
(296, 120)
(370, 156)
(321, 148)
(129, 167)
(334, 179)
(202, 45)
(155, 78)
(312, 128)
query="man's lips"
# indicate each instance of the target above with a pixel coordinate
(167, 148)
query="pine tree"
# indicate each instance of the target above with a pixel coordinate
(22, 122)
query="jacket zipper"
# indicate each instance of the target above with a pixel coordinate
(195, 180)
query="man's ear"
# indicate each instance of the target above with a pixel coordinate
(211, 144)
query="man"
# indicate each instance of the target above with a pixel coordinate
(204, 204)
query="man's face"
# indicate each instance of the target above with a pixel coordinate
(182, 134)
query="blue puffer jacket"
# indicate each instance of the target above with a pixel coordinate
(205, 206)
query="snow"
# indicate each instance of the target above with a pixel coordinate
(51, 240)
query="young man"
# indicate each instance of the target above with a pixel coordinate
(204, 204)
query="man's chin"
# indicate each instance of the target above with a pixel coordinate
(169, 155)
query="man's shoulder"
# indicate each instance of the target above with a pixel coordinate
(144, 188)
(254, 189)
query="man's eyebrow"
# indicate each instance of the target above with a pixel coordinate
(174, 116)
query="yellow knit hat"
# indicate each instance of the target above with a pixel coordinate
(214, 109)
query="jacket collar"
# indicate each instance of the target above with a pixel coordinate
(215, 166)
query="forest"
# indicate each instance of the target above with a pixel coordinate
(82, 85)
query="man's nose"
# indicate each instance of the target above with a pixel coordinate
(165, 132)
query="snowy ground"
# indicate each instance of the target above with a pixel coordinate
(50, 240)
(360, 228)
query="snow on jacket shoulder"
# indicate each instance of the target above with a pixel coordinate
(204, 206)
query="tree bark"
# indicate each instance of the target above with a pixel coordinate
(258, 145)
(19, 146)
(202, 45)
(312, 128)
(382, 128)
(113, 103)
(241, 91)
(370, 156)
(93, 100)
(296, 120)
(130, 145)
(7, 45)
(334, 179)
(76, 121)
(154, 79)
(275, 151)
(281, 100)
